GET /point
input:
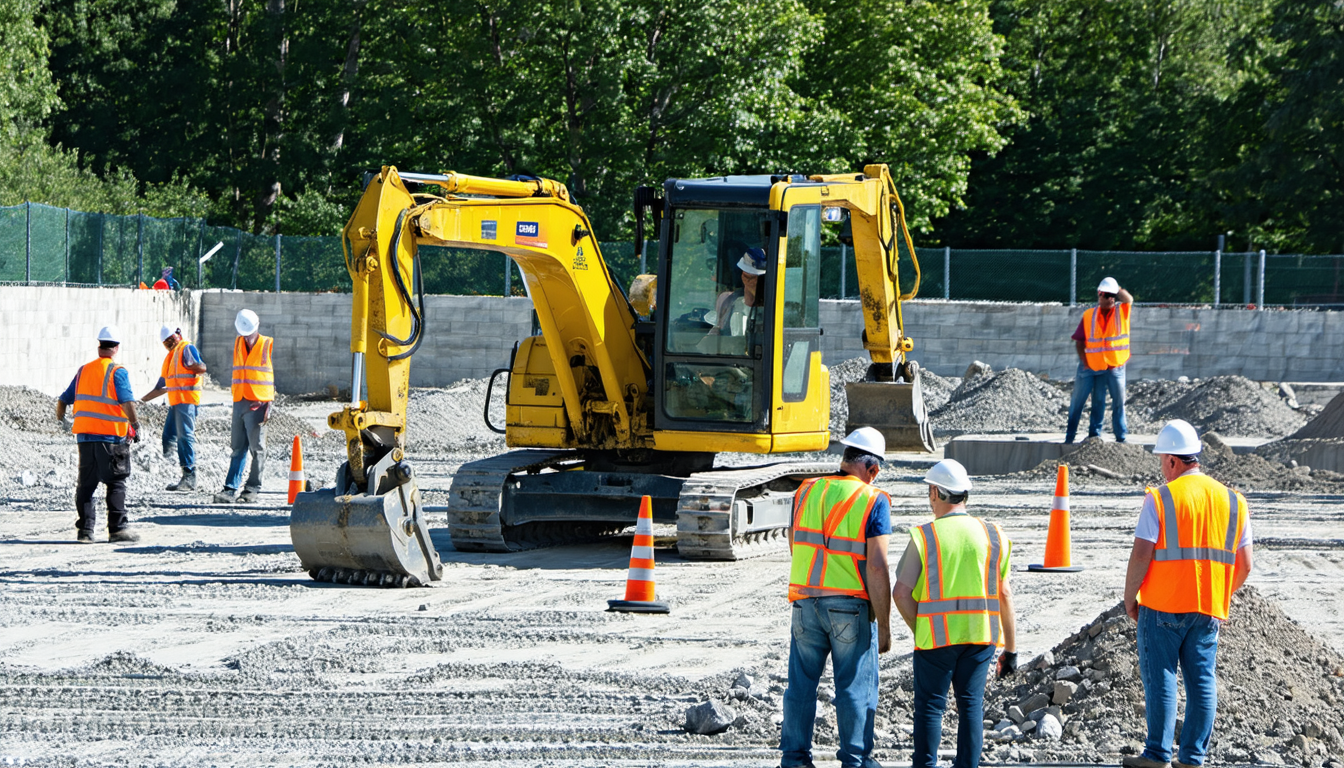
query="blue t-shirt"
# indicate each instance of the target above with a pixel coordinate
(879, 522)
(189, 357)
(121, 381)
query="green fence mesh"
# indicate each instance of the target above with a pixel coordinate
(42, 244)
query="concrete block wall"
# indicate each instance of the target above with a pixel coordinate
(469, 336)
(1167, 342)
(48, 332)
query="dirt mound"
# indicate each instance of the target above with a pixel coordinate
(1278, 692)
(1012, 400)
(1098, 462)
(27, 410)
(1328, 424)
(1231, 405)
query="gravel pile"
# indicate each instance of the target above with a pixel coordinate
(1279, 691)
(1011, 400)
(1328, 424)
(1230, 405)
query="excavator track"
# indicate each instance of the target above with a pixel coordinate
(475, 498)
(713, 505)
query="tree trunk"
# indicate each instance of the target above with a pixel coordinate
(348, 74)
(269, 189)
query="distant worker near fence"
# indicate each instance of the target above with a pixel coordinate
(1102, 343)
(104, 424)
(180, 379)
(253, 396)
(840, 601)
(952, 590)
(1192, 551)
(166, 281)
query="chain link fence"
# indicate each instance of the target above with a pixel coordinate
(40, 244)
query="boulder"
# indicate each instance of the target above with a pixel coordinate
(709, 717)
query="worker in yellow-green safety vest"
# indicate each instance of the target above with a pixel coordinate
(841, 607)
(952, 590)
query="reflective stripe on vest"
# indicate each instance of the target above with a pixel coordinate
(830, 548)
(1193, 562)
(183, 385)
(964, 608)
(96, 410)
(1112, 349)
(253, 373)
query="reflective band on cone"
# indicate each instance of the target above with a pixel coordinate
(639, 591)
(1058, 545)
(296, 478)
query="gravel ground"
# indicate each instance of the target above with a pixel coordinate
(1011, 400)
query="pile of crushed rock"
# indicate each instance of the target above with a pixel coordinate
(1279, 690)
(1328, 424)
(1230, 405)
(1011, 400)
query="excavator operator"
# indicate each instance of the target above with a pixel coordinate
(737, 312)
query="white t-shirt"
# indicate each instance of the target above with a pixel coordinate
(1148, 529)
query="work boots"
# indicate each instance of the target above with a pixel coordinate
(248, 496)
(125, 534)
(186, 483)
(223, 497)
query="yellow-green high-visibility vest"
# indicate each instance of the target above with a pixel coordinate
(830, 550)
(963, 562)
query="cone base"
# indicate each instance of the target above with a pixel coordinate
(1038, 568)
(637, 606)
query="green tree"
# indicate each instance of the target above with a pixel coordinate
(27, 93)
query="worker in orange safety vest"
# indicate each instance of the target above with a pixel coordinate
(253, 397)
(1102, 344)
(1192, 551)
(104, 424)
(180, 379)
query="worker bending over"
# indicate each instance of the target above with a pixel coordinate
(104, 421)
(838, 590)
(952, 590)
(180, 378)
(253, 393)
(1192, 550)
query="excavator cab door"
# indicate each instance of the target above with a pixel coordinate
(717, 284)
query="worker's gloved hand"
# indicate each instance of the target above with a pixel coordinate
(135, 432)
(1007, 663)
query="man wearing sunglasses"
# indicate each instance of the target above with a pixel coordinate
(1102, 342)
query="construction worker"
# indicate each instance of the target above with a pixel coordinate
(1102, 344)
(952, 590)
(1192, 551)
(104, 421)
(253, 393)
(838, 588)
(181, 380)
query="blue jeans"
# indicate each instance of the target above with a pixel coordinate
(838, 627)
(1096, 384)
(964, 668)
(1190, 640)
(179, 431)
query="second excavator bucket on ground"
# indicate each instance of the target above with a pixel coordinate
(373, 539)
(896, 409)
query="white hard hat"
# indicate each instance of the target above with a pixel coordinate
(949, 475)
(752, 261)
(110, 333)
(165, 331)
(1178, 438)
(246, 322)
(868, 440)
(1108, 285)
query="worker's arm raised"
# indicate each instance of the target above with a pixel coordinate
(1124, 297)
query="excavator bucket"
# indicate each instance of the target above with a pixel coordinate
(896, 409)
(378, 539)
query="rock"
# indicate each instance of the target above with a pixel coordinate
(1015, 714)
(1045, 660)
(1050, 728)
(1039, 701)
(1008, 734)
(976, 368)
(1283, 729)
(1069, 673)
(747, 719)
(739, 694)
(1064, 690)
(825, 694)
(1001, 725)
(743, 681)
(1312, 730)
(27, 479)
(709, 718)
(1028, 726)
(777, 718)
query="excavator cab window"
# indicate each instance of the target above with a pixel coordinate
(716, 304)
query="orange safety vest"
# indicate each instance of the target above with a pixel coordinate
(830, 548)
(1200, 521)
(253, 375)
(958, 596)
(97, 411)
(182, 384)
(1107, 344)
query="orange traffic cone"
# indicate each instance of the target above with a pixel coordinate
(639, 595)
(1058, 547)
(296, 480)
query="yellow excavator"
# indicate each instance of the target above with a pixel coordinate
(620, 395)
